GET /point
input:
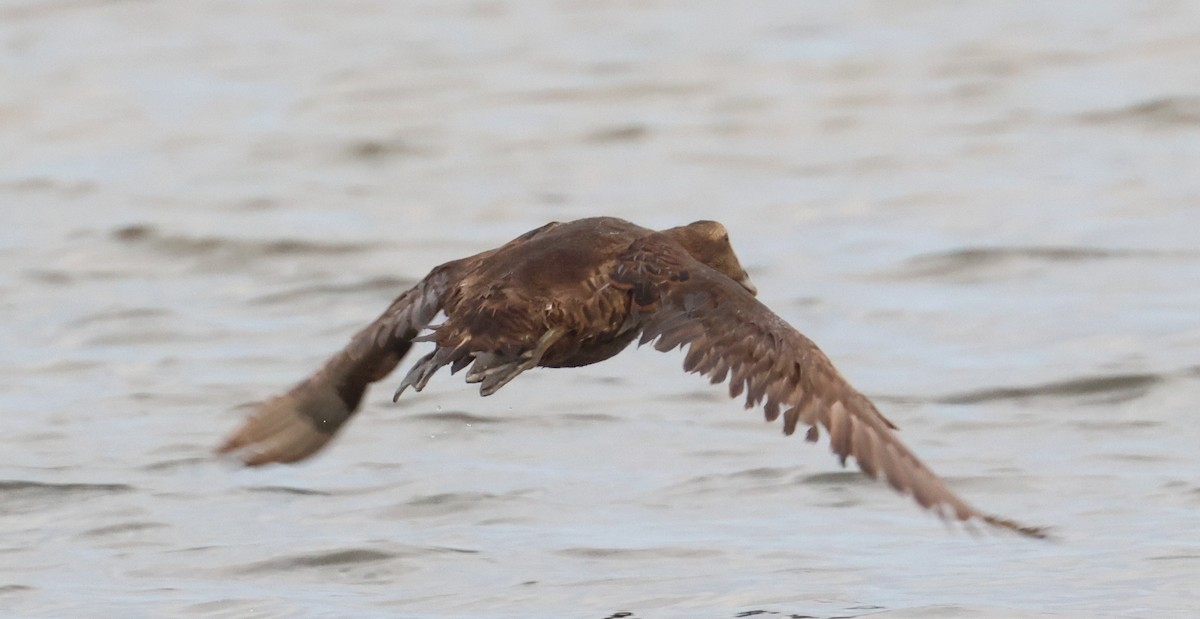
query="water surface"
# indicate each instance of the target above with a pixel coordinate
(986, 215)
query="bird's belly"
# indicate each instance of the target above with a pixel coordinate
(570, 354)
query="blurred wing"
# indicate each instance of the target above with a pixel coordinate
(729, 334)
(293, 426)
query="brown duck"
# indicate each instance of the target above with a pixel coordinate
(572, 294)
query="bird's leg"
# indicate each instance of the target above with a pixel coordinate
(494, 376)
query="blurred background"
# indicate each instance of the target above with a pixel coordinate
(987, 215)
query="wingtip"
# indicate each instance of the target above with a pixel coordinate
(281, 429)
(292, 445)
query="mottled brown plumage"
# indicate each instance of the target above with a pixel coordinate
(572, 294)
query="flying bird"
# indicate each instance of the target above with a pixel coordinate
(576, 293)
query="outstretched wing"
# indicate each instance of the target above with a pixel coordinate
(729, 334)
(293, 426)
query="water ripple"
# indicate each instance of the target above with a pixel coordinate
(456, 417)
(661, 552)
(345, 558)
(1109, 389)
(118, 529)
(19, 496)
(970, 262)
(288, 490)
(1161, 112)
(330, 558)
(179, 245)
(374, 284)
(434, 505)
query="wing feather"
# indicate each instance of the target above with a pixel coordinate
(728, 333)
(296, 424)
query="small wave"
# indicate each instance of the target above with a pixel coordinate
(566, 420)
(345, 558)
(135, 314)
(748, 480)
(837, 478)
(65, 366)
(1117, 425)
(119, 529)
(586, 418)
(434, 505)
(382, 149)
(702, 394)
(1161, 112)
(59, 277)
(1115, 388)
(457, 417)
(1189, 557)
(288, 490)
(177, 463)
(970, 262)
(622, 133)
(179, 245)
(616, 92)
(332, 558)
(658, 552)
(41, 184)
(41, 488)
(759, 473)
(19, 496)
(375, 284)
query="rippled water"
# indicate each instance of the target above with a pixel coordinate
(986, 213)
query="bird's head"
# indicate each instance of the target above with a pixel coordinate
(708, 242)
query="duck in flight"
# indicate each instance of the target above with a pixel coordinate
(576, 293)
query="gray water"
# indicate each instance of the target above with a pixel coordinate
(987, 214)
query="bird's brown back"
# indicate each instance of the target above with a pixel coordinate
(556, 277)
